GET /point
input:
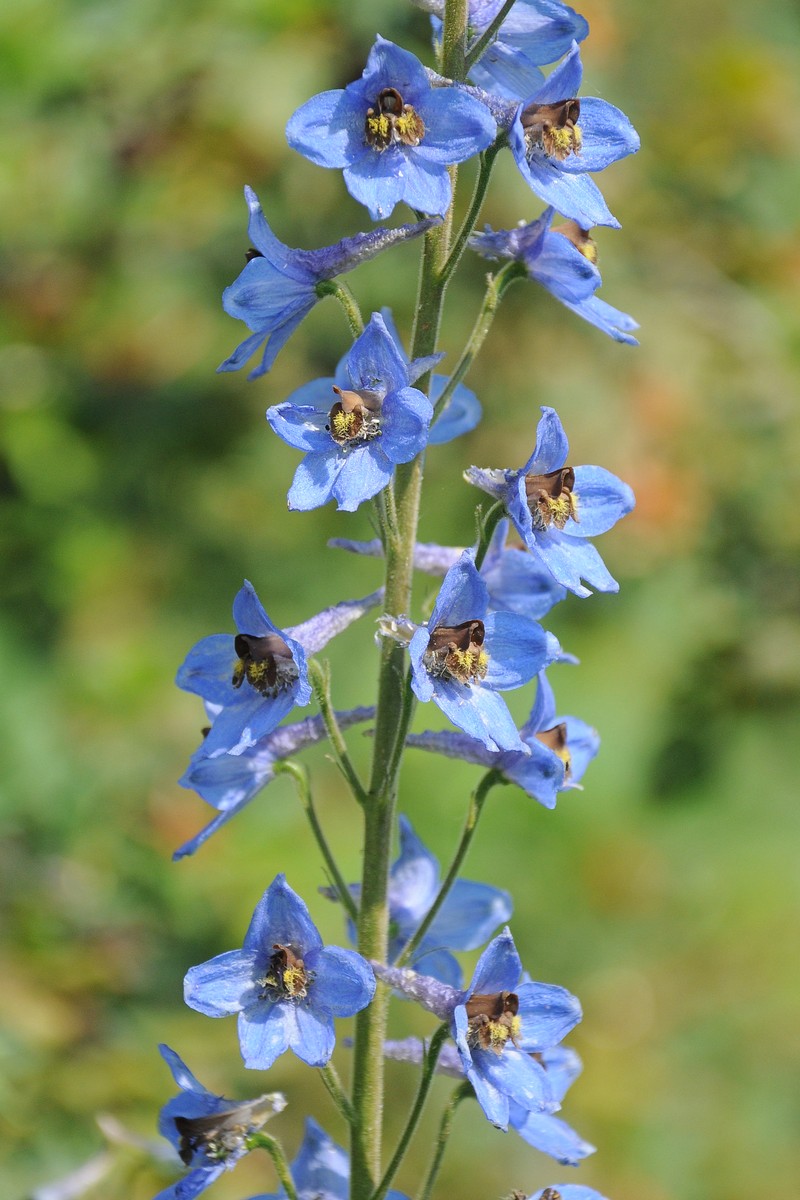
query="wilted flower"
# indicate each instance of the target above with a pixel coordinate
(392, 133)
(285, 986)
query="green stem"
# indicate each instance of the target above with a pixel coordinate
(341, 292)
(333, 1083)
(319, 676)
(487, 160)
(496, 288)
(263, 1141)
(486, 526)
(445, 1129)
(476, 802)
(477, 48)
(300, 776)
(428, 1071)
(394, 709)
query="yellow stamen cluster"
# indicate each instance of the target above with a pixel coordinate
(560, 143)
(468, 664)
(344, 425)
(295, 980)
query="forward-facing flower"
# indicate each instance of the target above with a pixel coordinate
(321, 1170)
(555, 507)
(257, 676)
(557, 139)
(354, 438)
(559, 749)
(209, 1132)
(467, 918)
(392, 134)
(534, 33)
(279, 286)
(230, 781)
(285, 986)
(465, 655)
(563, 260)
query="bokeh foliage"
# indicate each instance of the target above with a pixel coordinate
(139, 488)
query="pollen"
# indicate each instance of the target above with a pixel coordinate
(344, 425)
(553, 129)
(551, 499)
(457, 652)
(392, 122)
(493, 1021)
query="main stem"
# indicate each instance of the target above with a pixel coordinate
(393, 710)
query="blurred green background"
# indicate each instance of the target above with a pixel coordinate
(139, 489)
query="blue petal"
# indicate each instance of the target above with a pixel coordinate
(377, 182)
(375, 358)
(563, 1067)
(289, 262)
(547, 1013)
(455, 745)
(552, 447)
(281, 916)
(506, 72)
(518, 649)
(563, 270)
(321, 1168)
(602, 501)
(264, 1033)
(327, 129)
(583, 742)
(180, 1072)
(571, 1191)
(413, 879)
(313, 480)
(575, 196)
(463, 595)
(569, 560)
(457, 126)
(207, 670)
(249, 614)
(225, 984)
(539, 773)
(406, 416)
(564, 81)
(439, 964)
(461, 415)
(191, 1185)
(499, 967)
(312, 1035)
(470, 914)
(343, 981)
(242, 725)
(551, 1135)
(302, 426)
(492, 1099)
(480, 712)
(364, 472)
(518, 1076)
(518, 582)
(389, 65)
(608, 136)
(543, 714)
(421, 680)
(612, 321)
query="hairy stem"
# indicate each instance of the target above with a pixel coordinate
(333, 1083)
(273, 1149)
(445, 1129)
(341, 292)
(319, 675)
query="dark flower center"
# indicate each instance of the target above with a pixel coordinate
(580, 239)
(219, 1134)
(355, 417)
(457, 651)
(391, 122)
(550, 1194)
(550, 498)
(552, 128)
(492, 1020)
(286, 977)
(265, 662)
(555, 739)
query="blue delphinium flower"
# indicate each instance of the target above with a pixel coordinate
(321, 1170)
(353, 445)
(556, 139)
(516, 580)
(230, 781)
(468, 917)
(534, 33)
(256, 677)
(563, 260)
(208, 1131)
(285, 986)
(279, 286)
(392, 133)
(559, 749)
(501, 1025)
(544, 1131)
(555, 508)
(465, 655)
(566, 1191)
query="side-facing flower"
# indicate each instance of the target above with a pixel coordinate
(557, 139)
(556, 507)
(467, 918)
(502, 1024)
(392, 134)
(279, 286)
(563, 260)
(209, 1132)
(516, 580)
(559, 749)
(354, 440)
(534, 33)
(321, 1170)
(230, 781)
(257, 676)
(465, 655)
(566, 1191)
(285, 986)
